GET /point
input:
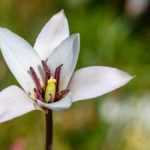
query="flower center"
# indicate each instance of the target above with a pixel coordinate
(50, 92)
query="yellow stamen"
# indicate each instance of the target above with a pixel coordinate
(50, 89)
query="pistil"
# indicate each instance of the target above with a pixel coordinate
(50, 90)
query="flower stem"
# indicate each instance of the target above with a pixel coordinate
(49, 130)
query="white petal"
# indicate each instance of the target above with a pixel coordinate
(95, 81)
(67, 54)
(62, 104)
(53, 33)
(19, 57)
(14, 102)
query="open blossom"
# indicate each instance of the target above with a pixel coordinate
(46, 71)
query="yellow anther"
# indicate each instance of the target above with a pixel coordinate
(50, 89)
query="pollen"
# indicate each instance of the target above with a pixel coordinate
(50, 90)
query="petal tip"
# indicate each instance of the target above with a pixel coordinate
(76, 36)
(130, 76)
(126, 77)
(61, 13)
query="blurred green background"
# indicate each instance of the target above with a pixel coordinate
(113, 33)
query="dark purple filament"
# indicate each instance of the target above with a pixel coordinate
(61, 94)
(47, 72)
(57, 76)
(38, 94)
(37, 81)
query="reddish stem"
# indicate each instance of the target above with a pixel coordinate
(49, 130)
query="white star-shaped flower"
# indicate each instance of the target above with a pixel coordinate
(46, 71)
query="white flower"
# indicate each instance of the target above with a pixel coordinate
(56, 47)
